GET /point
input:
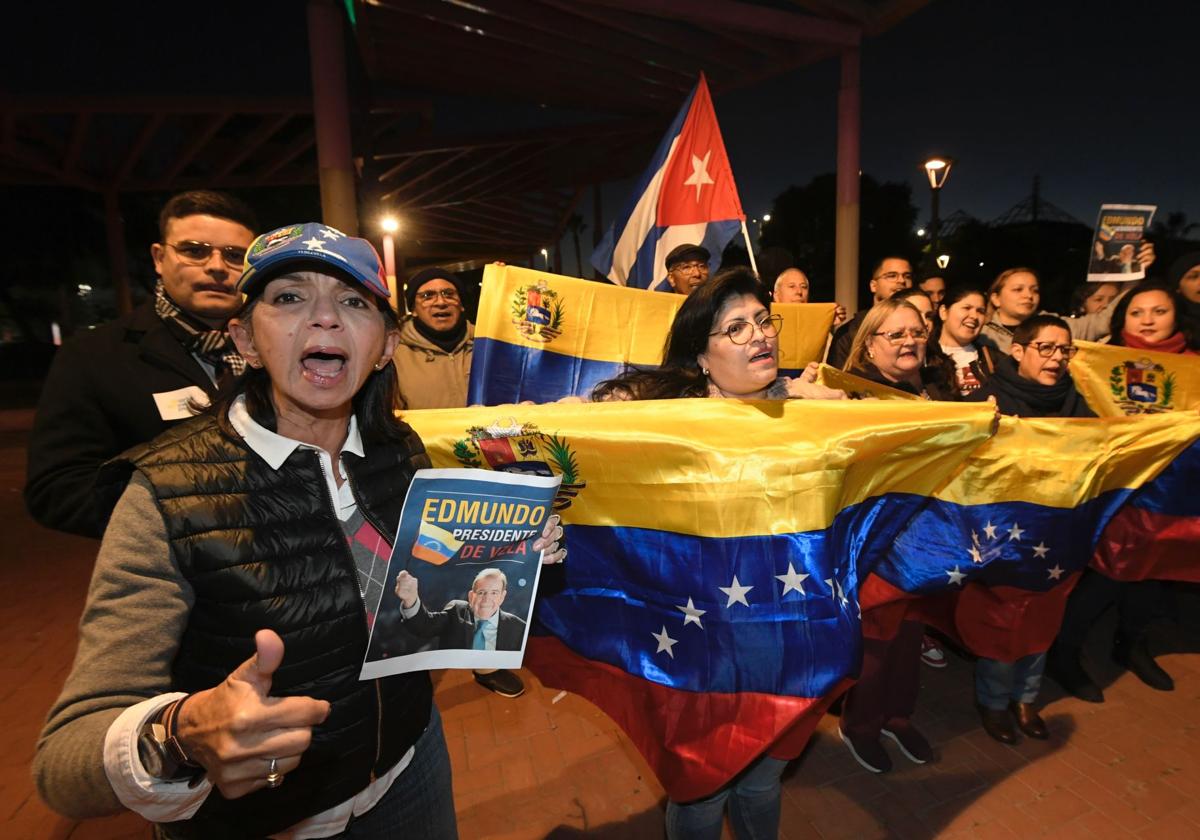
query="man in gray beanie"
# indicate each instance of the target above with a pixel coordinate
(433, 359)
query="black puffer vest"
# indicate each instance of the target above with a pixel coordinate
(263, 548)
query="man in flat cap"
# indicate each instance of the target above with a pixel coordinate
(687, 267)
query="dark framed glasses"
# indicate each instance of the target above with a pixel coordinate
(198, 253)
(740, 332)
(1046, 349)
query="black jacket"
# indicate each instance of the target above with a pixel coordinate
(263, 548)
(843, 338)
(455, 627)
(98, 400)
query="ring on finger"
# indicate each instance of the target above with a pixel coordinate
(274, 777)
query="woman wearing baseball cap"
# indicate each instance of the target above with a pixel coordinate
(216, 686)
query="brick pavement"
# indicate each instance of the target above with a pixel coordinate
(1128, 768)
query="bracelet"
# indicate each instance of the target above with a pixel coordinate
(170, 722)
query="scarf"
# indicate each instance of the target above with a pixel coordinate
(214, 346)
(1033, 399)
(446, 340)
(1175, 344)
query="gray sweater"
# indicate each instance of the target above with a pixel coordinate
(120, 661)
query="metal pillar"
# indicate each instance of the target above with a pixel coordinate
(331, 116)
(848, 175)
(114, 227)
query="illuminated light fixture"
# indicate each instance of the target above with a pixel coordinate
(766, 217)
(943, 260)
(938, 170)
(920, 231)
(389, 224)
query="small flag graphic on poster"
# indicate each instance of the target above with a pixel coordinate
(435, 545)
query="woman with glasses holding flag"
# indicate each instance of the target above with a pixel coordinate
(1033, 382)
(890, 349)
(724, 344)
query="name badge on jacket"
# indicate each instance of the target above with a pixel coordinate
(175, 405)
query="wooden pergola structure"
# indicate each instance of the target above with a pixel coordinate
(602, 78)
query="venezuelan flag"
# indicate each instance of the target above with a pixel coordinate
(1157, 533)
(997, 549)
(1119, 381)
(435, 544)
(710, 604)
(540, 336)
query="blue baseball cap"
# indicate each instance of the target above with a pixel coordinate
(315, 245)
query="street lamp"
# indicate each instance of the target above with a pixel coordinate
(390, 225)
(938, 170)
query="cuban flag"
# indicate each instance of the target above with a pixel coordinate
(686, 195)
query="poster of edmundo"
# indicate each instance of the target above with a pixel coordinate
(1118, 241)
(459, 587)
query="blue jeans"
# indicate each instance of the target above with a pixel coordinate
(753, 807)
(997, 683)
(420, 803)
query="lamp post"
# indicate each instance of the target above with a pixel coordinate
(938, 170)
(390, 225)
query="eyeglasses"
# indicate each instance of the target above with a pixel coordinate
(740, 332)
(896, 337)
(696, 265)
(892, 276)
(1046, 349)
(198, 253)
(450, 295)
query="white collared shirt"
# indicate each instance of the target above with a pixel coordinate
(160, 801)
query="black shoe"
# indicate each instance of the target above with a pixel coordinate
(1028, 720)
(502, 682)
(1063, 665)
(999, 724)
(1135, 656)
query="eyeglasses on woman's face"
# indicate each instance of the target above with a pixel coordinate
(742, 332)
(896, 337)
(1046, 349)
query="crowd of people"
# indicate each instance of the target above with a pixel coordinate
(230, 437)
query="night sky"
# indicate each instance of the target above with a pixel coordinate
(1101, 99)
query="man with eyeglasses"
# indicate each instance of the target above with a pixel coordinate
(127, 381)
(890, 275)
(687, 267)
(433, 358)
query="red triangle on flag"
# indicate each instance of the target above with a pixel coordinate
(697, 183)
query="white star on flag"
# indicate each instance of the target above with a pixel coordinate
(1040, 550)
(315, 244)
(699, 176)
(956, 576)
(330, 233)
(792, 580)
(736, 593)
(836, 589)
(665, 642)
(976, 557)
(691, 614)
(1015, 532)
(990, 530)
(1056, 572)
